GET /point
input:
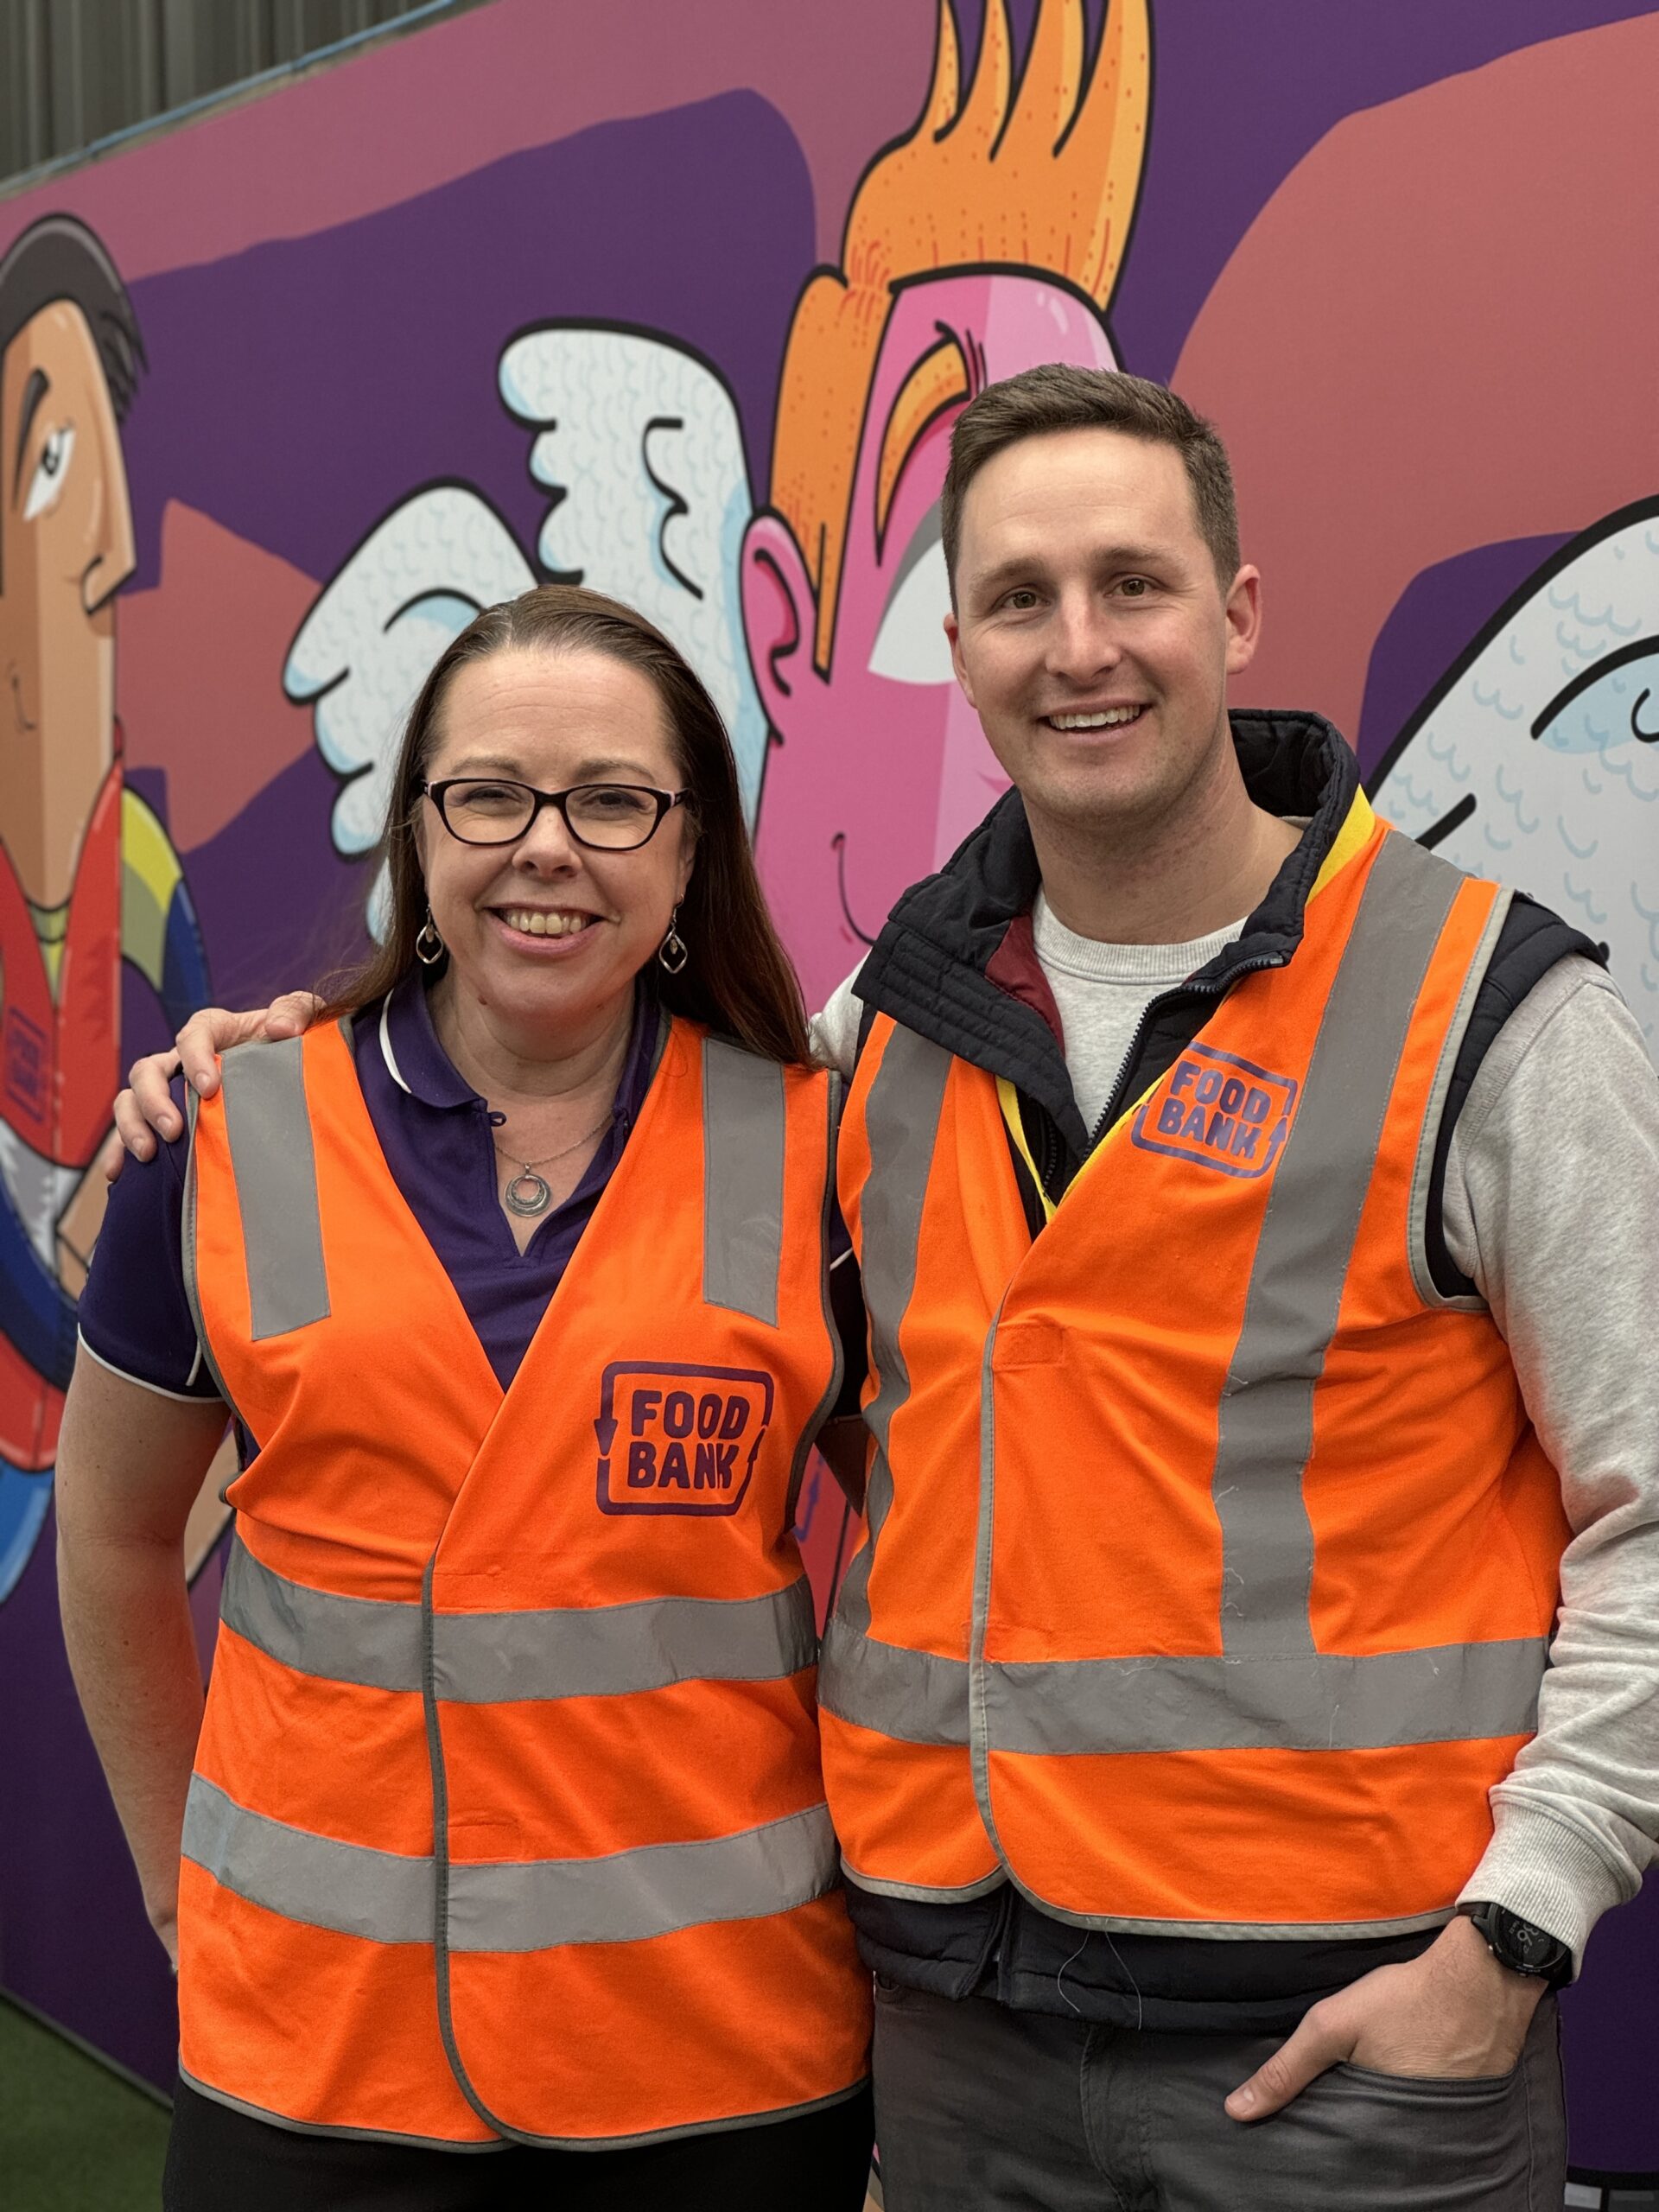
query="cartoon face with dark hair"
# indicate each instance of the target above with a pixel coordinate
(65, 549)
(88, 878)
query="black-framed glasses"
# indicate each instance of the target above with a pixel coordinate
(607, 817)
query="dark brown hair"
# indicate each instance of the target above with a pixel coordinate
(60, 259)
(1056, 397)
(738, 979)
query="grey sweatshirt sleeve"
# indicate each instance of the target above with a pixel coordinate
(835, 1031)
(1552, 1209)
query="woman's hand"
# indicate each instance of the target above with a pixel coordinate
(146, 1111)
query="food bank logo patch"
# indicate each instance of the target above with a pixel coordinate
(678, 1439)
(1221, 1111)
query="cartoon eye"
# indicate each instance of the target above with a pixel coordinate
(910, 646)
(46, 485)
(1607, 704)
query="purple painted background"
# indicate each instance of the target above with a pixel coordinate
(298, 390)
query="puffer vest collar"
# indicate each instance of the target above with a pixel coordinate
(932, 966)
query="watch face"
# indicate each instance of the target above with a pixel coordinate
(1531, 1946)
(1520, 1946)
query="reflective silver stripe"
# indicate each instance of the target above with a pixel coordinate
(743, 1180)
(371, 1641)
(349, 2134)
(913, 1695)
(1302, 1254)
(609, 1651)
(1238, 1931)
(901, 1117)
(1245, 1931)
(491, 1658)
(306, 1877)
(533, 1904)
(268, 1130)
(1422, 1175)
(979, 1702)
(1320, 1701)
(924, 1892)
(522, 1905)
(493, 2144)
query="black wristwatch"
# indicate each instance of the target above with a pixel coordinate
(1516, 1944)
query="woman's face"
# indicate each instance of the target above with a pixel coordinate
(546, 934)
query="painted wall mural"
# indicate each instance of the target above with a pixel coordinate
(548, 291)
(90, 878)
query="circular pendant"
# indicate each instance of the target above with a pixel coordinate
(527, 1192)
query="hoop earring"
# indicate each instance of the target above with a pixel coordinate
(429, 947)
(673, 952)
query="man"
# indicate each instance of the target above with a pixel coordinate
(1253, 1360)
(1257, 1337)
(87, 877)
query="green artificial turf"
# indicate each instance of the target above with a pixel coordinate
(73, 2136)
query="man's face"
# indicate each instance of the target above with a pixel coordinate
(1092, 634)
(65, 548)
(882, 768)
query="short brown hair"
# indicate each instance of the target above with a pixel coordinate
(1056, 397)
(737, 979)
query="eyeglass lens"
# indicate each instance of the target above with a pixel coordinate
(616, 815)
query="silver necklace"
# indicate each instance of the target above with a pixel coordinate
(529, 1192)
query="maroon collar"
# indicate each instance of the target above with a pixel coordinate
(1015, 969)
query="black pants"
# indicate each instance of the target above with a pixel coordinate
(222, 2161)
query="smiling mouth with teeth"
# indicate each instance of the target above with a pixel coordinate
(535, 922)
(1103, 718)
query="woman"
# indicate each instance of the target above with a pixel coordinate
(505, 1827)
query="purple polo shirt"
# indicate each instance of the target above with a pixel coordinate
(436, 1133)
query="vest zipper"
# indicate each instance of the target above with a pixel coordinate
(1049, 1172)
(1114, 1105)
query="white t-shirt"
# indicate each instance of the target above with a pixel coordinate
(1102, 991)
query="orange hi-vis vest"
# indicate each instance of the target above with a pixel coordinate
(1211, 1557)
(507, 1819)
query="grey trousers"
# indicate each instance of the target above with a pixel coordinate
(980, 2108)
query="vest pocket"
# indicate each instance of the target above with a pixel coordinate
(1028, 1343)
(478, 1839)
